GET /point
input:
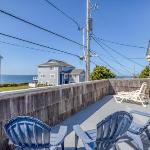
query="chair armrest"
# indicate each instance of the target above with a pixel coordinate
(137, 91)
(129, 91)
(140, 113)
(60, 135)
(81, 134)
(142, 94)
(136, 128)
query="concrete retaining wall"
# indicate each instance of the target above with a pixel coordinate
(54, 104)
(127, 85)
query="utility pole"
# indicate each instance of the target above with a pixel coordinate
(88, 30)
(1, 69)
(134, 71)
(148, 59)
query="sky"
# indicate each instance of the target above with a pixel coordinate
(116, 20)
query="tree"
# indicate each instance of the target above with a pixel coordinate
(144, 73)
(101, 72)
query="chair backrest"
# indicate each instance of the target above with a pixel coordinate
(143, 88)
(28, 132)
(111, 128)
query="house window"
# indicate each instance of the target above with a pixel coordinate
(51, 68)
(52, 76)
(66, 76)
(42, 76)
(74, 76)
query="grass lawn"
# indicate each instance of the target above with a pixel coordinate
(13, 88)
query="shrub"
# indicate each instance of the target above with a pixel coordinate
(101, 72)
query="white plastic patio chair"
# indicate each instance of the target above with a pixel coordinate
(136, 96)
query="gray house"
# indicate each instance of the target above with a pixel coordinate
(55, 72)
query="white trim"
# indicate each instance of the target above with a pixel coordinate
(52, 76)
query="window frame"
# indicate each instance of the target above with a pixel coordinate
(51, 76)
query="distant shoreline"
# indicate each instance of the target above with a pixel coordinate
(18, 75)
(6, 79)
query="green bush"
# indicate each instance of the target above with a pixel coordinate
(41, 85)
(13, 84)
(101, 72)
(144, 73)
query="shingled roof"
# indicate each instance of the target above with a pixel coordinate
(55, 63)
(77, 71)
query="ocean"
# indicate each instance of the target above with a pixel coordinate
(29, 78)
(16, 78)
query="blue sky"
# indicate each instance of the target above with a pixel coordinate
(121, 21)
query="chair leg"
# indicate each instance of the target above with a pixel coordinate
(62, 145)
(148, 134)
(76, 141)
(118, 101)
(136, 139)
(144, 105)
(115, 147)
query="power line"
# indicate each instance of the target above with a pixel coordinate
(107, 64)
(39, 27)
(137, 58)
(64, 13)
(27, 47)
(121, 54)
(94, 63)
(37, 44)
(122, 44)
(114, 59)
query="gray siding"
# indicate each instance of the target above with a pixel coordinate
(82, 77)
(74, 78)
(58, 76)
(44, 76)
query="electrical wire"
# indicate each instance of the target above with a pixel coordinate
(114, 59)
(27, 47)
(120, 54)
(64, 13)
(41, 28)
(122, 44)
(105, 63)
(137, 58)
(124, 56)
(108, 64)
(37, 44)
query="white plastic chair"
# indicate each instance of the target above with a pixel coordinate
(136, 96)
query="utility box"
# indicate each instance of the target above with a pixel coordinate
(91, 24)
